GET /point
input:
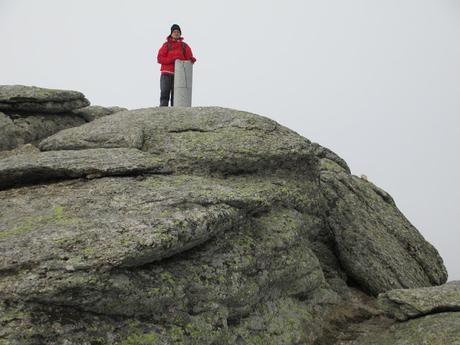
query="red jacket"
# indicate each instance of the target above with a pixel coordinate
(166, 57)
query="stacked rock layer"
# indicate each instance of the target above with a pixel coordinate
(196, 226)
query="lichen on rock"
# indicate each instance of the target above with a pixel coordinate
(32, 98)
(28, 114)
(405, 304)
(195, 226)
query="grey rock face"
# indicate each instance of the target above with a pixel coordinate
(206, 139)
(43, 166)
(23, 149)
(326, 156)
(10, 135)
(16, 130)
(37, 99)
(194, 226)
(29, 114)
(93, 112)
(98, 264)
(439, 329)
(410, 303)
(377, 246)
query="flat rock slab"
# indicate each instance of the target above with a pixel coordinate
(37, 167)
(63, 214)
(438, 329)
(32, 98)
(154, 210)
(405, 304)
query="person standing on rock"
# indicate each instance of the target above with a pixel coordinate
(174, 48)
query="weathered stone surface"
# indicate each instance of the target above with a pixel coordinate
(93, 112)
(43, 166)
(30, 114)
(16, 130)
(22, 149)
(377, 246)
(37, 99)
(103, 133)
(206, 139)
(437, 329)
(194, 226)
(405, 304)
(144, 221)
(116, 109)
(285, 321)
(10, 135)
(329, 158)
(97, 264)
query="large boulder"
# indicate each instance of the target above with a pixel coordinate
(194, 226)
(37, 99)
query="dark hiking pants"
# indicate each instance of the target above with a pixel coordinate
(167, 89)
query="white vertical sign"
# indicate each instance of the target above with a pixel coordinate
(183, 77)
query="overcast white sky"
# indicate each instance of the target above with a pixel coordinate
(377, 81)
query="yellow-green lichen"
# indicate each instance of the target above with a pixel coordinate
(141, 339)
(56, 216)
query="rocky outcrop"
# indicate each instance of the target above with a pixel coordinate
(19, 129)
(430, 315)
(412, 303)
(29, 114)
(377, 246)
(36, 99)
(195, 226)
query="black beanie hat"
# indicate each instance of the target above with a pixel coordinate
(176, 27)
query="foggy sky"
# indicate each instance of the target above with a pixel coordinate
(378, 82)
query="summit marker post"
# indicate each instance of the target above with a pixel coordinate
(183, 78)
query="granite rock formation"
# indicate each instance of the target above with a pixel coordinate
(29, 114)
(17, 129)
(199, 226)
(37, 99)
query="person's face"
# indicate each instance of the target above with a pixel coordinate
(175, 34)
